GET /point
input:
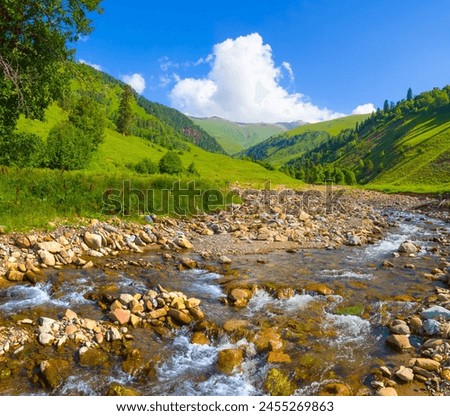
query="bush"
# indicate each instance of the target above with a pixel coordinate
(146, 166)
(21, 150)
(170, 163)
(68, 148)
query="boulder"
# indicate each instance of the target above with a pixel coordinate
(405, 374)
(399, 342)
(427, 364)
(228, 359)
(408, 247)
(47, 258)
(54, 372)
(199, 338)
(435, 312)
(50, 246)
(92, 357)
(93, 241)
(240, 294)
(179, 316)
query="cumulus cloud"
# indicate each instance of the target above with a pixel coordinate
(135, 81)
(243, 85)
(364, 109)
(95, 66)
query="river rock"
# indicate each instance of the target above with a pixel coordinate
(116, 389)
(47, 258)
(435, 312)
(50, 246)
(387, 263)
(70, 314)
(335, 389)
(387, 391)
(228, 359)
(179, 316)
(276, 357)
(400, 329)
(93, 241)
(92, 357)
(427, 364)
(319, 288)
(240, 295)
(405, 374)
(183, 242)
(157, 313)
(46, 338)
(277, 383)
(199, 338)
(235, 325)
(188, 263)
(54, 372)
(408, 247)
(285, 293)
(120, 315)
(225, 260)
(400, 342)
(432, 327)
(15, 276)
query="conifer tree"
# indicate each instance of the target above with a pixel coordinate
(125, 112)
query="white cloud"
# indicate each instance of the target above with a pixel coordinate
(243, 85)
(135, 81)
(288, 68)
(95, 66)
(364, 109)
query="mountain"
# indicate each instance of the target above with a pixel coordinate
(234, 136)
(404, 147)
(291, 144)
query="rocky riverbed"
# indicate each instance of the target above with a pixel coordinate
(290, 281)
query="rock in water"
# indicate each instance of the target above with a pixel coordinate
(408, 247)
(54, 372)
(400, 342)
(435, 312)
(93, 241)
(278, 384)
(228, 359)
(387, 391)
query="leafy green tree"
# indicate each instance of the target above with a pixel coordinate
(386, 107)
(21, 150)
(350, 177)
(146, 166)
(125, 116)
(170, 163)
(87, 116)
(68, 148)
(34, 38)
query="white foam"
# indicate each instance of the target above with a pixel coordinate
(261, 300)
(346, 274)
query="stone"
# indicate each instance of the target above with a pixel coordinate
(235, 325)
(278, 357)
(387, 263)
(229, 359)
(319, 288)
(446, 374)
(47, 258)
(401, 329)
(136, 307)
(125, 298)
(196, 313)
(239, 294)
(188, 263)
(15, 276)
(116, 389)
(405, 374)
(353, 240)
(432, 327)
(199, 338)
(88, 265)
(304, 216)
(435, 312)
(50, 246)
(386, 371)
(409, 266)
(408, 247)
(277, 383)
(192, 303)
(179, 316)
(335, 389)
(400, 342)
(120, 315)
(427, 364)
(54, 372)
(116, 305)
(46, 338)
(92, 357)
(114, 334)
(415, 323)
(93, 241)
(183, 242)
(285, 293)
(387, 391)
(225, 260)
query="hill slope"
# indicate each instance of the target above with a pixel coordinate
(234, 137)
(292, 144)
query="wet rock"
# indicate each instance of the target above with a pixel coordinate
(277, 383)
(387, 263)
(405, 374)
(278, 357)
(47, 258)
(229, 359)
(54, 372)
(70, 314)
(183, 242)
(408, 247)
(415, 323)
(116, 389)
(319, 288)
(199, 338)
(92, 357)
(225, 260)
(353, 240)
(400, 329)
(427, 364)
(235, 325)
(399, 342)
(133, 363)
(432, 327)
(192, 303)
(446, 374)
(285, 293)
(50, 246)
(46, 339)
(157, 313)
(335, 389)
(15, 276)
(188, 263)
(387, 391)
(179, 316)
(120, 315)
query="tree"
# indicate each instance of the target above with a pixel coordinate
(170, 163)
(21, 150)
(87, 116)
(125, 116)
(409, 94)
(68, 148)
(34, 39)
(146, 166)
(386, 106)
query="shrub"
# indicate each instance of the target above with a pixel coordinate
(21, 150)
(170, 163)
(68, 148)
(146, 166)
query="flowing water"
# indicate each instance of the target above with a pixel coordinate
(334, 337)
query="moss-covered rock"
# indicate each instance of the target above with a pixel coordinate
(116, 389)
(278, 383)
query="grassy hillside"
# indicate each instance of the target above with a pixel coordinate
(279, 149)
(234, 137)
(405, 147)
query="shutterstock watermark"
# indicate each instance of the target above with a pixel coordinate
(186, 199)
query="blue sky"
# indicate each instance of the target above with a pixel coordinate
(266, 60)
